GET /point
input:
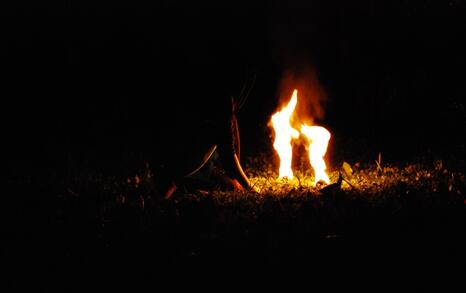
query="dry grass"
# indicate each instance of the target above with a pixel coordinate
(404, 215)
(372, 181)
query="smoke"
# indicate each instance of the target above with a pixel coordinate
(311, 96)
(299, 36)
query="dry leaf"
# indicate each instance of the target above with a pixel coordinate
(347, 169)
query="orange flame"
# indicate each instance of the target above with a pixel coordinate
(284, 133)
(317, 136)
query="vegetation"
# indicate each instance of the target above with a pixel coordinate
(379, 215)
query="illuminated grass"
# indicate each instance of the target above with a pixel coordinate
(366, 181)
(370, 182)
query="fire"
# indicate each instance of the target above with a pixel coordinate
(317, 136)
(284, 133)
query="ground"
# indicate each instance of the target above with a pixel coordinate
(402, 219)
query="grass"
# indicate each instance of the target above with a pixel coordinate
(408, 215)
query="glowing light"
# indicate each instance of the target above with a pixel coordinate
(318, 142)
(317, 136)
(284, 133)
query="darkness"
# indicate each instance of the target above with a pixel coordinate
(80, 75)
(98, 88)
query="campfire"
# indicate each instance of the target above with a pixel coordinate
(289, 129)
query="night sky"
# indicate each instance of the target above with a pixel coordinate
(85, 76)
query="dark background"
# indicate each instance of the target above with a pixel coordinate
(80, 75)
(83, 85)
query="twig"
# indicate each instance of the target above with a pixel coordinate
(348, 182)
(379, 163)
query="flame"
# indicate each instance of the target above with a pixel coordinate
(319, 138)
(284, 133)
